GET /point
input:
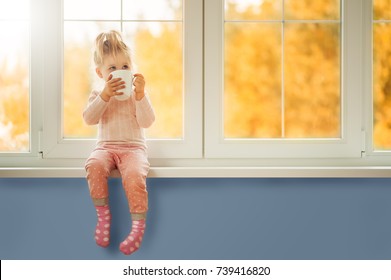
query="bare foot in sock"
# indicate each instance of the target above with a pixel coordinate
(102, 230)
(133, 241)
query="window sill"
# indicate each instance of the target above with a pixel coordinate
(213, 172)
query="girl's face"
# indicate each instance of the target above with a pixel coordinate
(111, 63)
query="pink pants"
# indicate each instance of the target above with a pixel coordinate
(133, 165)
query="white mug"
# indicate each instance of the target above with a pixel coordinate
(127, 77)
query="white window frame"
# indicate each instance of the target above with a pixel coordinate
(203, 152)
(36, 78)
(54, 144)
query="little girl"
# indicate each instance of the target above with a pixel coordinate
(121, 142)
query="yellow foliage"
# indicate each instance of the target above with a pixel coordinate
(381, 9)
(382, 85)
(159, 57)
(312, 84)
(77, 87)
(14, 108)
(265, 10)
(382, 75)
(310, 9)
(256, 103)
(252, 96)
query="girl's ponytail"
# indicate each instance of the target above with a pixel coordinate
(109, 43)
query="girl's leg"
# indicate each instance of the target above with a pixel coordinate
(133, 241)
(102, 229)
(134, 168)
(98, 167)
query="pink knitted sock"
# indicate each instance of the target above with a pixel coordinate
(133, 241)
(102, 230)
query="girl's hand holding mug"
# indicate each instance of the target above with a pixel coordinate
(119, 84)
(112, 88)
(139, 85)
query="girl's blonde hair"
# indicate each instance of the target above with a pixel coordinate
(109, 43)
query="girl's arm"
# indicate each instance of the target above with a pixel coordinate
(145, 114)
(95, 109)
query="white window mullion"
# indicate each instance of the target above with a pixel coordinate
(37, 74)
(35, 83)
(352, 65)
(213, 63)
(282, 76)
(53, 144)
(52, 138)
(368, 99)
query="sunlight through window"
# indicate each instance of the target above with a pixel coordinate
(14, 78)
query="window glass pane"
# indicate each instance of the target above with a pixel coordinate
(382, 84)
(253, 9)
(276, 74)
(382, 9)
(310, 9)
(79, 74)
(252, 99)
(92, 9)
(156, 46)
(312, 81)
(158, 55)
(152, 10)
(15, 9)
(14, 78)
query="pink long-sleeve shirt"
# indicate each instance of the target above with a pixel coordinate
(119, 122)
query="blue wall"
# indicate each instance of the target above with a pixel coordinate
(203, 219)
